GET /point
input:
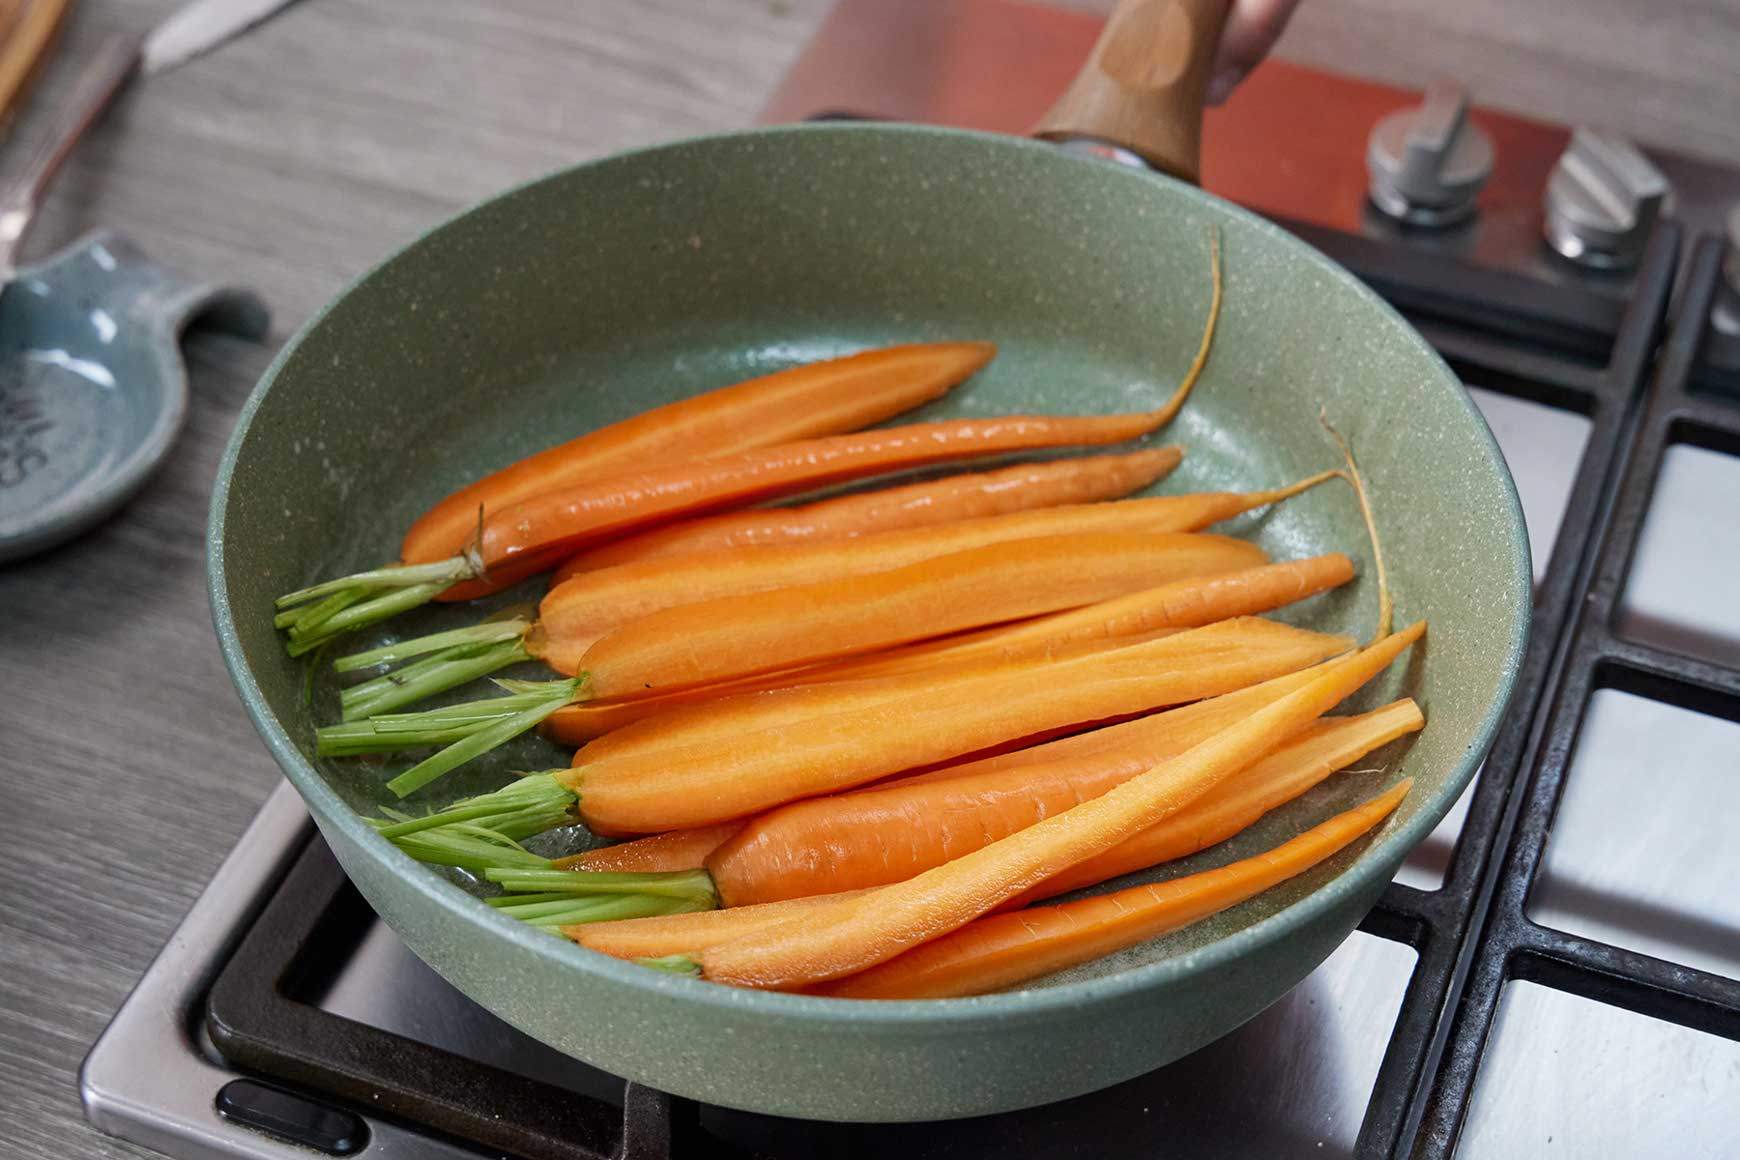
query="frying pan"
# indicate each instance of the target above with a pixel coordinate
(597, 292)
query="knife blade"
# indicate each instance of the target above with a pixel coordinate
(198, 28)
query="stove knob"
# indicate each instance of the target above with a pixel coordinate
(1603, 199)
(1426, 165)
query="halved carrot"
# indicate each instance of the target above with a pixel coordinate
(1301, 762)
(1022, 487)
(655, 853)
(883, 834)
(991, 954)
(537, 532)
(1186, 603)
(592, 604)
(635, 938)
(733, 636)
(820, 398)
(689, 849)
(847, 937)
(1311, 756)
(718, 779)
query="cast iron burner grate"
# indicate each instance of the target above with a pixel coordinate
(1470, 936)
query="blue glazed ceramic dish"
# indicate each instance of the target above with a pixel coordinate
(92, 387)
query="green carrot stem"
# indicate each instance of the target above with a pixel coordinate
(535, 794)
(503, 901)
(489, 632)
(390, 732)
(312, 614)
(673, 964)
(444, 572)
(697, 884)
(305, 636)
(606, 909)
(451, 846)
(447, 669)
(477, 744)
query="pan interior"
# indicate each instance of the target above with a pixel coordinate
(600, 292)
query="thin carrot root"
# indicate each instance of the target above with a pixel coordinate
(1005, 950)
(1386, 606)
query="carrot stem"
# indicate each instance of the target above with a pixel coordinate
(446, 669)
(362, 598)
(468, 847)
(476, 745)
(531, 805)
(690, 884)
(489, 632)
(574, 911)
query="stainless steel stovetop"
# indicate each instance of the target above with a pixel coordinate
(1421, 1035)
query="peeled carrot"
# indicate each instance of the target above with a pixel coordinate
(734, 636)
(1023, 487)
(819, 398)
(538, 531)
(718, 779)
(847, 937)
(1310, 757)
(591, 604)
(991, 954)
(655, 853)
(888, 833)
(1305, 760)
(635, 938)
(689, 849)
(1186, 603)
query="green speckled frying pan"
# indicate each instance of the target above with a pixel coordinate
(597, 292)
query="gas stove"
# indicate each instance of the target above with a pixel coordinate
(1555, 968)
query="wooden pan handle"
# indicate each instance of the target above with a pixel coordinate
(1143, 85)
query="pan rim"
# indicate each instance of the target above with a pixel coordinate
(1035, 1004)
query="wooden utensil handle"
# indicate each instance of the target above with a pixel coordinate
(1143, 85)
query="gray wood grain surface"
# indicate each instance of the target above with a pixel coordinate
(291, 160)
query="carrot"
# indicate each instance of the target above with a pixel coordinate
(1188, 603)
(820, 398)
(866, 609)
(847, 937)
(634, 938)
(721, 778)
(526, 537)
(1021, 487)
(538, 531)
(1300, 763)
(888, 833)
(656, 853)
(660, 851)
(731, 636)
(1311, 756)
(579, 611)
(991, 954)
